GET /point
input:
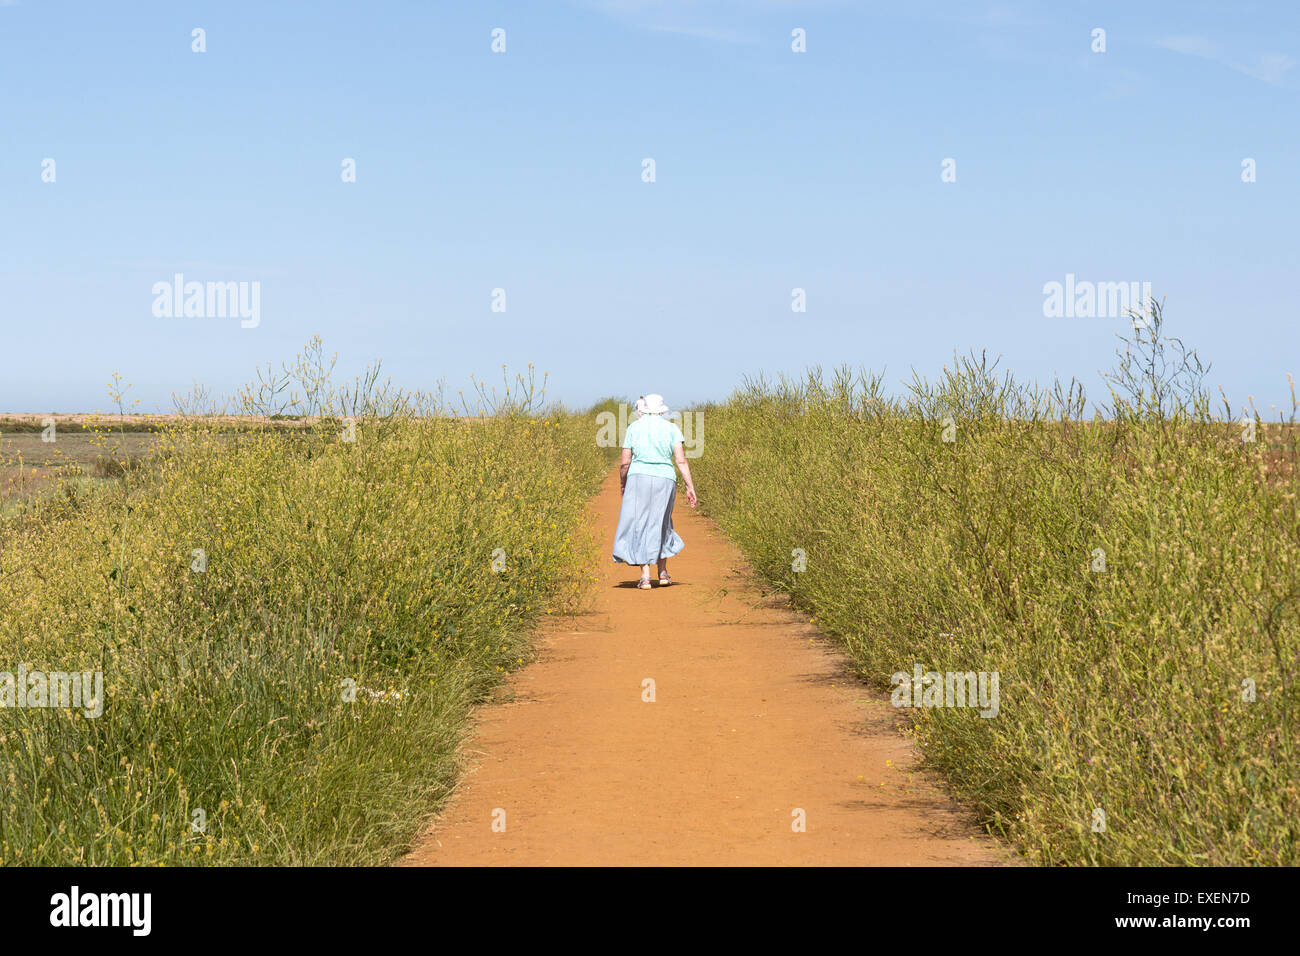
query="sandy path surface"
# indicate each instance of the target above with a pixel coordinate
(755, 717)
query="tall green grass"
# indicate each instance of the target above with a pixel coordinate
(300, 699)
(1126, 732)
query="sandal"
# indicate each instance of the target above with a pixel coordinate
(664, 579)
(644, 584)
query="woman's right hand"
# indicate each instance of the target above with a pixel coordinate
(690, 497)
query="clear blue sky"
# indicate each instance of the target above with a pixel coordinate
(522, 171)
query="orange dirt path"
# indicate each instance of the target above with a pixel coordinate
(755, 715)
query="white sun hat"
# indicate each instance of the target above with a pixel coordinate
(651, 404)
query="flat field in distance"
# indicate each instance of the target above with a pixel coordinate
(87, 449)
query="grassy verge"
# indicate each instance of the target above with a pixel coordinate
(1133, 581)
(291, 627)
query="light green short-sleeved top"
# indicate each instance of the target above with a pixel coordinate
(651, 438)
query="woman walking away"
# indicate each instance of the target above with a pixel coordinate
(645, 533)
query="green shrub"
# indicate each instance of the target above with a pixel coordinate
(1121, 690)
(302, 695)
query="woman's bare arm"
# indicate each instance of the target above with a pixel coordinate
(622, 470)
(679, 455)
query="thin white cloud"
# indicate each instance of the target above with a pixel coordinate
(1271, 66)
(1268, 67)
(723, 21)
(1191, 46)
(704, 33)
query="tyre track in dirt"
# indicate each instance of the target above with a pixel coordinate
(755, 716)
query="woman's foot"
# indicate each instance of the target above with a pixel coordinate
(644, 584)
(664, 579)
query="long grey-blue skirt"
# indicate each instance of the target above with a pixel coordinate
(645, 521)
